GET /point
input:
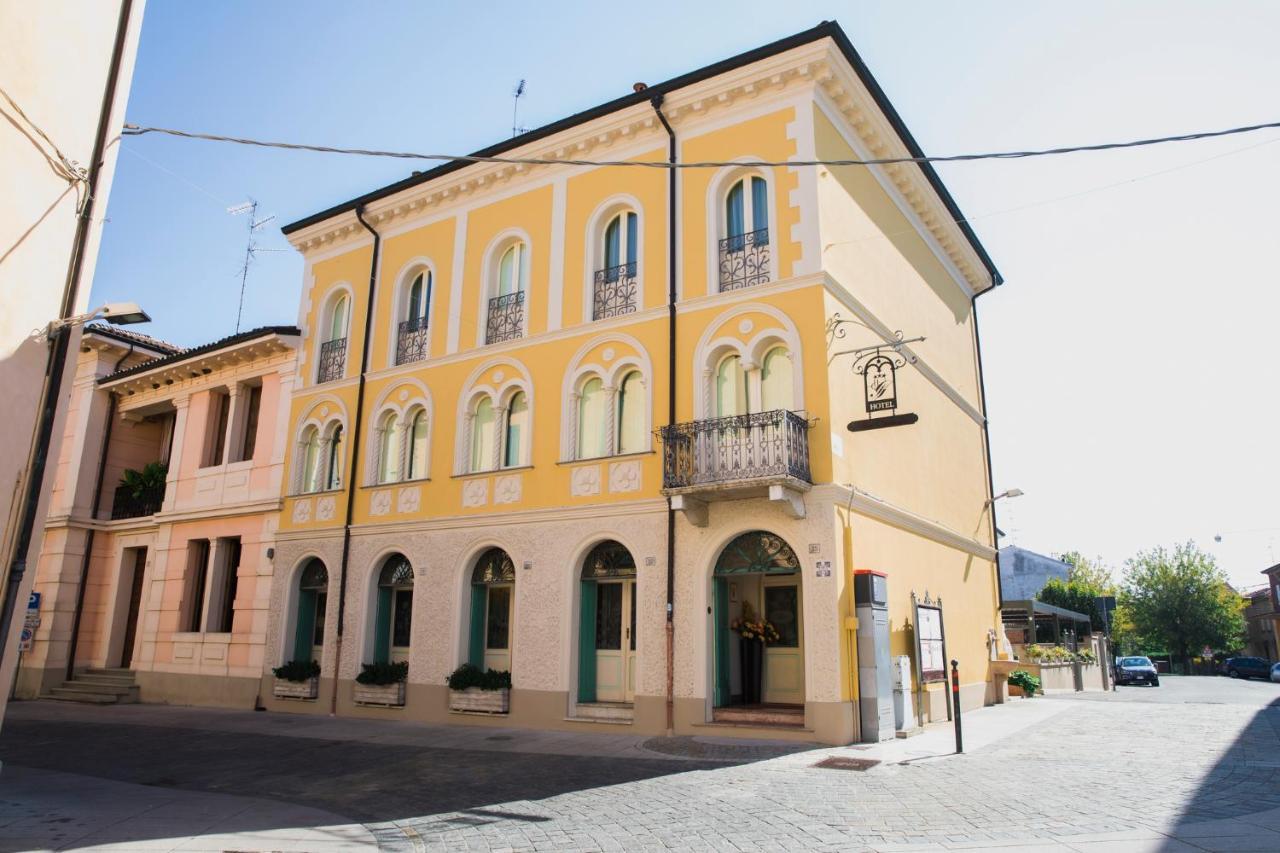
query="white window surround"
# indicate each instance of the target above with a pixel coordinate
(717, 194)
(462, 592)
(324, 430)
(289, 625)
(400, 304)
(593, 257)
(580, 372)
(710, 352)
(369, 640)
(500, 397)
(417, 398)
(331, 297)
(489, 276)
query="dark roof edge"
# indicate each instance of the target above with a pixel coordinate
(823, 30)
(203, 349)
(134, 338)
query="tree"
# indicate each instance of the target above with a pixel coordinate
(1092, 572)
(1074, 595)
(1181, 601)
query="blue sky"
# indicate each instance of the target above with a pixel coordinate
(1131, 375)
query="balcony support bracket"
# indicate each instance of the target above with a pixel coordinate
(695, 511)
(792, 501)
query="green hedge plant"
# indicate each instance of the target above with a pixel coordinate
(297, 670)
(382, 674)
(1024, 681)
(470, 675)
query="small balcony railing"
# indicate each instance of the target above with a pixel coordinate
(411, 344)
(615, 291)
(506, 318)
(764, 445)
(744, 260)
(126, 503)
(333, 360)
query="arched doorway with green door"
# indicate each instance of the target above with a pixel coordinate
(393, 611)
(757, 578)
(607, 625)
(313, 600)
(490, 632)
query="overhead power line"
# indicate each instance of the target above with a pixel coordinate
(135, 130)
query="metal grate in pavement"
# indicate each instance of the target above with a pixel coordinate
(837, 762)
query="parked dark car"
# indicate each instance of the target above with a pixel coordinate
(1137, 670)
(1247, 667)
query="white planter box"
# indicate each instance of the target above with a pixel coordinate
(308, 689)
(387, 695)
(478, 701)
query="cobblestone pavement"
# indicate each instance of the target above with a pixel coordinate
(1128, 771)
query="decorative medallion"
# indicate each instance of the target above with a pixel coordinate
(608, 354)
(507, 490)
(325, 508)
(475, 493)
(409, 500)
(624, 476)
(404, 395)
(323, 412)
(585, 481)
(745, 326)
(302, 511)
(380, 503)
(498, 376)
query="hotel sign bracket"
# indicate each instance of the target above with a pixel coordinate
(878, 365)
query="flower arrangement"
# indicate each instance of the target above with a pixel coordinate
(1024, 681)
(1059, 654)
(752, 627)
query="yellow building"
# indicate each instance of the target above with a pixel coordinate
(543, 408)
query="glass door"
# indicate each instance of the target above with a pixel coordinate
(615, 641)
(784, 659)
(497, 634)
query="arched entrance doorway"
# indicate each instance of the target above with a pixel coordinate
(757, 577)
(313, 598)
(393, 611)
(492, 583)
(607, 625)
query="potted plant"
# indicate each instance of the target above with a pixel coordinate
(753, 633)
(381, 684)
(297, 679)
(1027, 683)
(478, 691)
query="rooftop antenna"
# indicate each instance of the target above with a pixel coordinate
(251, 249)
(516, 129)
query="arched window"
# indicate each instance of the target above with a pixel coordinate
(592, 407)
(309, 453)
(388, 448)
(411, 335)
(393, 617)
(418, 304)
(746, 211)
(333, 467)
(731, 388)
(513, 269)
(492, 583)
(631, 434)
(505, 320)
(332, 363)
(338, 318)
(620, 243)
(313, 588)
(483, 428)
(517, 426)
(416, 455)
(776, 380)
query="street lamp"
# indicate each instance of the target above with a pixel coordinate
(120, 313)
(1009, 493)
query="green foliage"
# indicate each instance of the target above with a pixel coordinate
(1024, 681)
(1077, 596)
(147, 482)
(297, 670)
(1090, 572)
(382, 674)
(469, 675)
(1058, 654)
(1179, 600)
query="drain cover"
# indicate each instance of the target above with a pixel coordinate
(837, 762)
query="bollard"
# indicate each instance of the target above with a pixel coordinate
(955, 703)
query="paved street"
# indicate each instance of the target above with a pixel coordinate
(1193, 764)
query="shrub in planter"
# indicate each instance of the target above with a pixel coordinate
(470, 675)
(382, 674)
(1024, 681)
(484, 691)
(297, 670)
(1086, 656)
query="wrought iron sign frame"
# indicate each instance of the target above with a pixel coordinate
(878, 364)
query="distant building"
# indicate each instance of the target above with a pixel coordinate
(1024, 573)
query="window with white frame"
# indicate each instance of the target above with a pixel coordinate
(614, 290)
(416, 449)
(415, 313)
(334, 460)
(333, 347)
(484, 425)
(388, 431)
(776, 380)
(593, 408)
(309, 460)
(632, 435)
(609, 420)
(506, 306)
(744, 234)
(516, 434)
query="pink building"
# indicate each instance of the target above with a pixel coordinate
(155, 571)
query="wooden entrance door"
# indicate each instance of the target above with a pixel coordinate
(497, 628)
(784, 659)
(615, 644)
(135, 605)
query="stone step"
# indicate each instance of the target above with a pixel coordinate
(116, 680)
(84, 686)
(115, 671)
(65, 695)
(620, 712)
(761, 715)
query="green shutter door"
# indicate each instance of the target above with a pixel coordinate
(721, 632)
(587, 643)
(382, 627)
(479, 598)
(306, 625)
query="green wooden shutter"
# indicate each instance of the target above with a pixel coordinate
(721, 623)
(479, 598)
(587, 643)
(382, 627)
(306, 625)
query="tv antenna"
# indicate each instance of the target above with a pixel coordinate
(251, 249)
(516, 129)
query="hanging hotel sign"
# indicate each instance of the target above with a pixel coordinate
(878, 366)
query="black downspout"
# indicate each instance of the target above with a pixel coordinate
(656, 101)
(93, 514)
(354, 472)
(986, 438)
(57, 362)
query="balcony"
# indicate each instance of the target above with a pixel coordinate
(128, 502)
(615, 292)
(506, 318)
(411, 344)
(765, 453)
(333, 360)
(744, 260)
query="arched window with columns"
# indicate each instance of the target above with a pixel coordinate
(515, 442)
(388, 437)
(415, 454)
(632, 435)
(309, 478)
(333, 459)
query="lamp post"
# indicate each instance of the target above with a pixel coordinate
(57, 332)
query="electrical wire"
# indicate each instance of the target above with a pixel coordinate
(136, 130)
(69, 170)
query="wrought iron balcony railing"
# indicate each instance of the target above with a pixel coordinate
(739, 447)
(744, 260)
(615, 291)
(125, 503)
(411, 345)
(506, 318)
(333, 360)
